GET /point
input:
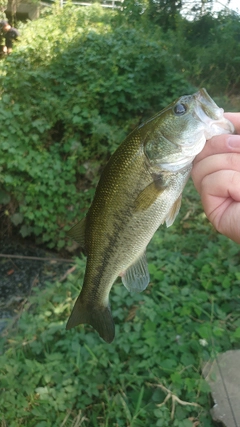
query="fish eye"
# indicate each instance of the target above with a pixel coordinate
(180, 109)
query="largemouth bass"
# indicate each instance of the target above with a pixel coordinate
(139, 189)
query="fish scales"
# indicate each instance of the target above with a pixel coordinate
(139, 189)
(121, 225)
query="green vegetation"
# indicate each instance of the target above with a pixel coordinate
(51, 377)
(67, 101)
(71, 95)
(77, 82)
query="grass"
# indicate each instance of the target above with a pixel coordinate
(151, 374)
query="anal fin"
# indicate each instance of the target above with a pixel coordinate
(136, 278)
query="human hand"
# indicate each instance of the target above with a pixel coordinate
(216, 176)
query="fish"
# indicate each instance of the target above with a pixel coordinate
(140, 188)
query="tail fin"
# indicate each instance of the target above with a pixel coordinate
(99, 317)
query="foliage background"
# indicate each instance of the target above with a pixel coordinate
(71, 95)
(77, 82)
(65, 107)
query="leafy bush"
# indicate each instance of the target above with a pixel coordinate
(70, 92)
(53, 377)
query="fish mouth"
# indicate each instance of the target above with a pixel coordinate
(211, 115)
(208, 105)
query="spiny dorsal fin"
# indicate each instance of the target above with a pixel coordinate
(77, 232)
(136, 277)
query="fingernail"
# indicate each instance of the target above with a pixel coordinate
(234, 141)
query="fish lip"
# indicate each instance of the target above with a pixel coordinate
(208, 112)
(207, 103)
(203, 94)
(219, 126)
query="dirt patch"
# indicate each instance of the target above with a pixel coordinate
(18, 276)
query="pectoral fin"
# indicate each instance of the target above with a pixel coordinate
(136, 277)
(77, 232)
(171, 216)
(149, 195)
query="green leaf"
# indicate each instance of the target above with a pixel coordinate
(17, 218)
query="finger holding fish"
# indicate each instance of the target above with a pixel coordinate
(223, 143)
(214, 163)
(216, 176)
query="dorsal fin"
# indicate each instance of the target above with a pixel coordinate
(77, 232)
